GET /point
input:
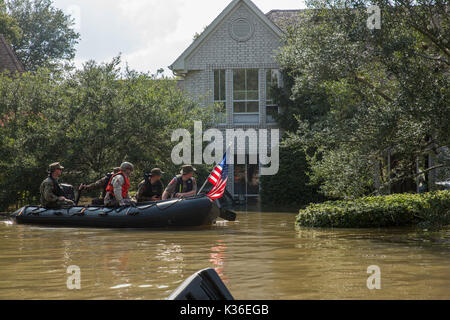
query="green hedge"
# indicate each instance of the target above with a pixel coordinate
(424, 210)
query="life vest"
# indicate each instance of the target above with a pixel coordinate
(125, 186)
(189, 185)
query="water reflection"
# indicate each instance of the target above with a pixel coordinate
(260, 256)
(217, 258)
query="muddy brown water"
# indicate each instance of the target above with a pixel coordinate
(260, 256)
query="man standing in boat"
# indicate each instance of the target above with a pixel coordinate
(100, 184)
(183, 185)
(117, 189)
(151, 188)
(52, 194)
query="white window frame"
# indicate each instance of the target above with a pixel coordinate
(244, 113)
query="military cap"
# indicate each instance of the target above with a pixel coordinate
(187, 169)
(156, 172)
(55, 166)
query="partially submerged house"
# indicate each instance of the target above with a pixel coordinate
(233, 63)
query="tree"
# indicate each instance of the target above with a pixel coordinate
(47, 35)
(291, 185)
(8, 25)
(91, 120)
(386, 91)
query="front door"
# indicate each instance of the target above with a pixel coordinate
(246, 179)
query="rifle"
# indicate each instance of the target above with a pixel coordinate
(77, 199)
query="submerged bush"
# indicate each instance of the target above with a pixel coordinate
(429, 210)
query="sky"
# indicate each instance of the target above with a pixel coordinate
(149, 34)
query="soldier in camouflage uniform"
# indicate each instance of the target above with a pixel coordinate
(117, 189)
(99, 184)
(52, 194)
(151, 188)
(183, 185)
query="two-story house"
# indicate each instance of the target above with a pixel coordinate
(233, 63)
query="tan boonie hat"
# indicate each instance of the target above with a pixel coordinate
(156, 172)
(187, 169)
(55, 166)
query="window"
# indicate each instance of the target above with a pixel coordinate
(219, 86)
(245, 91)
(272, 80)
(219, 94)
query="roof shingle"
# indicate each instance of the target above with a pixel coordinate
(8, 60)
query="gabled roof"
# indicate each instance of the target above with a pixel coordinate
(179, 64)
(8, 60)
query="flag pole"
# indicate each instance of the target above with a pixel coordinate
(203, 186)
(206, 181)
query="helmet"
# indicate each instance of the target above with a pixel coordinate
(126, 165)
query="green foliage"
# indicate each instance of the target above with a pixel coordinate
(91, 120)
(311, 103)
(46, 34)
(429, 210)
(291, 185)
(8, 25)
(359, 93)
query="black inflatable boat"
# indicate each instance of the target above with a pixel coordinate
(189, 212)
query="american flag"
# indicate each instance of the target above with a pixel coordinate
(218, 178)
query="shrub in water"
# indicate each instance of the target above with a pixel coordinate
(429, 210)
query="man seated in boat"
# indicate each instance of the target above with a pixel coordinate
(151, 188)
(118, 185)
(99, 184)
(183, 185)
(52, 194)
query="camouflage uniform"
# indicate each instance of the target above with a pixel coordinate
(51, 190)
(99, 184)
(146, 192)
(175, 187)
(117, 199)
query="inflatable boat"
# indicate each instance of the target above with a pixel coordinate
(189, 212)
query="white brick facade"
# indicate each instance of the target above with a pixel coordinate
(219, 48)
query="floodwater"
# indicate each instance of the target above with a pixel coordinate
(260, 256)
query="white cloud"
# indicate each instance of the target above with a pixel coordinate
(150, 34)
